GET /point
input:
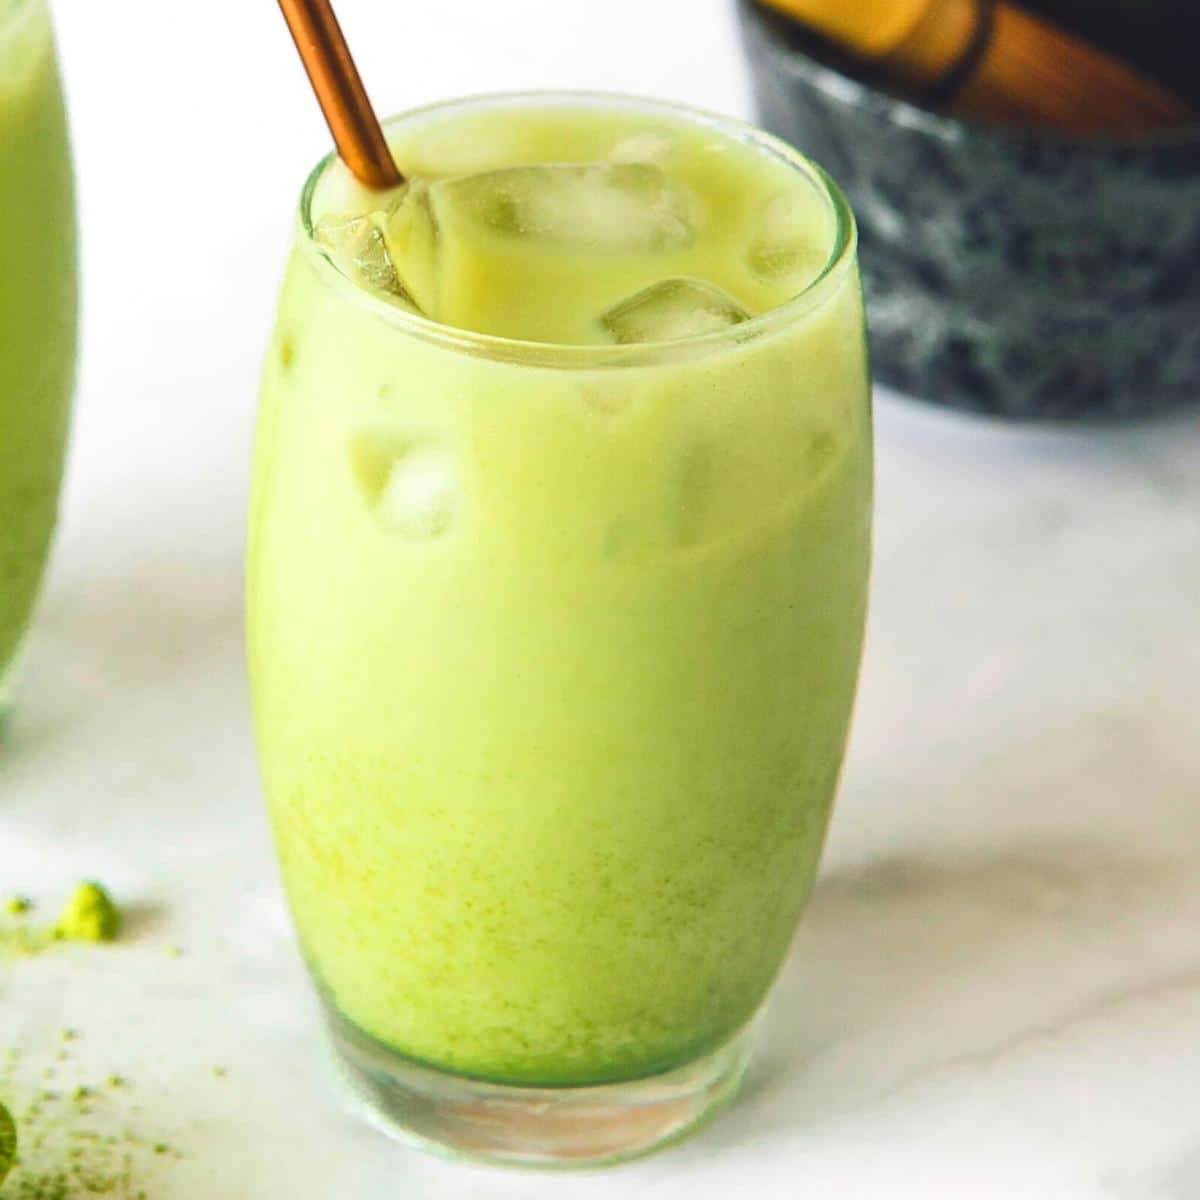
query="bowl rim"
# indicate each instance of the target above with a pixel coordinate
(853, 91)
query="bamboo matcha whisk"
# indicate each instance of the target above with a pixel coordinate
(996, 61)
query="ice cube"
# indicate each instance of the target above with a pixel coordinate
(419, 496)
(642, 148)
(359, 250)
(457, 148)
(408, 480)
(607, 208)
(791, 244)
(411, 236)
(671, 310)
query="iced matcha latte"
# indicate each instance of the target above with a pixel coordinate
(37, 309)
(558, 564)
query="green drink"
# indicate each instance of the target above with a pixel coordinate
(556, 604)
(37, 308)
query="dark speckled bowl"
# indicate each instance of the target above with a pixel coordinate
(1007, 272)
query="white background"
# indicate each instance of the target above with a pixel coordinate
(997, 990)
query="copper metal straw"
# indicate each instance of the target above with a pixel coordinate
(340, 92)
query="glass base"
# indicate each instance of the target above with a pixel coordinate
(543, 1127)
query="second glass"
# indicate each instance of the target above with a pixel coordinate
(37, 310)
(553, 650)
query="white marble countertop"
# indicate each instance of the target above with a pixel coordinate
(996, 992)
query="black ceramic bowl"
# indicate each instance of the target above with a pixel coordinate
(1007, 272)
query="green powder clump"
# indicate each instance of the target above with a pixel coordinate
(90, 916)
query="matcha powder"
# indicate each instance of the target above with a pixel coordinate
(68, 1140)
(64, 1136)
(90, 915)
(8, 1142)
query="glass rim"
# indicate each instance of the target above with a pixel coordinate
(843, 247)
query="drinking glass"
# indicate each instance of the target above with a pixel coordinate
(37, 311)
(553, 652)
